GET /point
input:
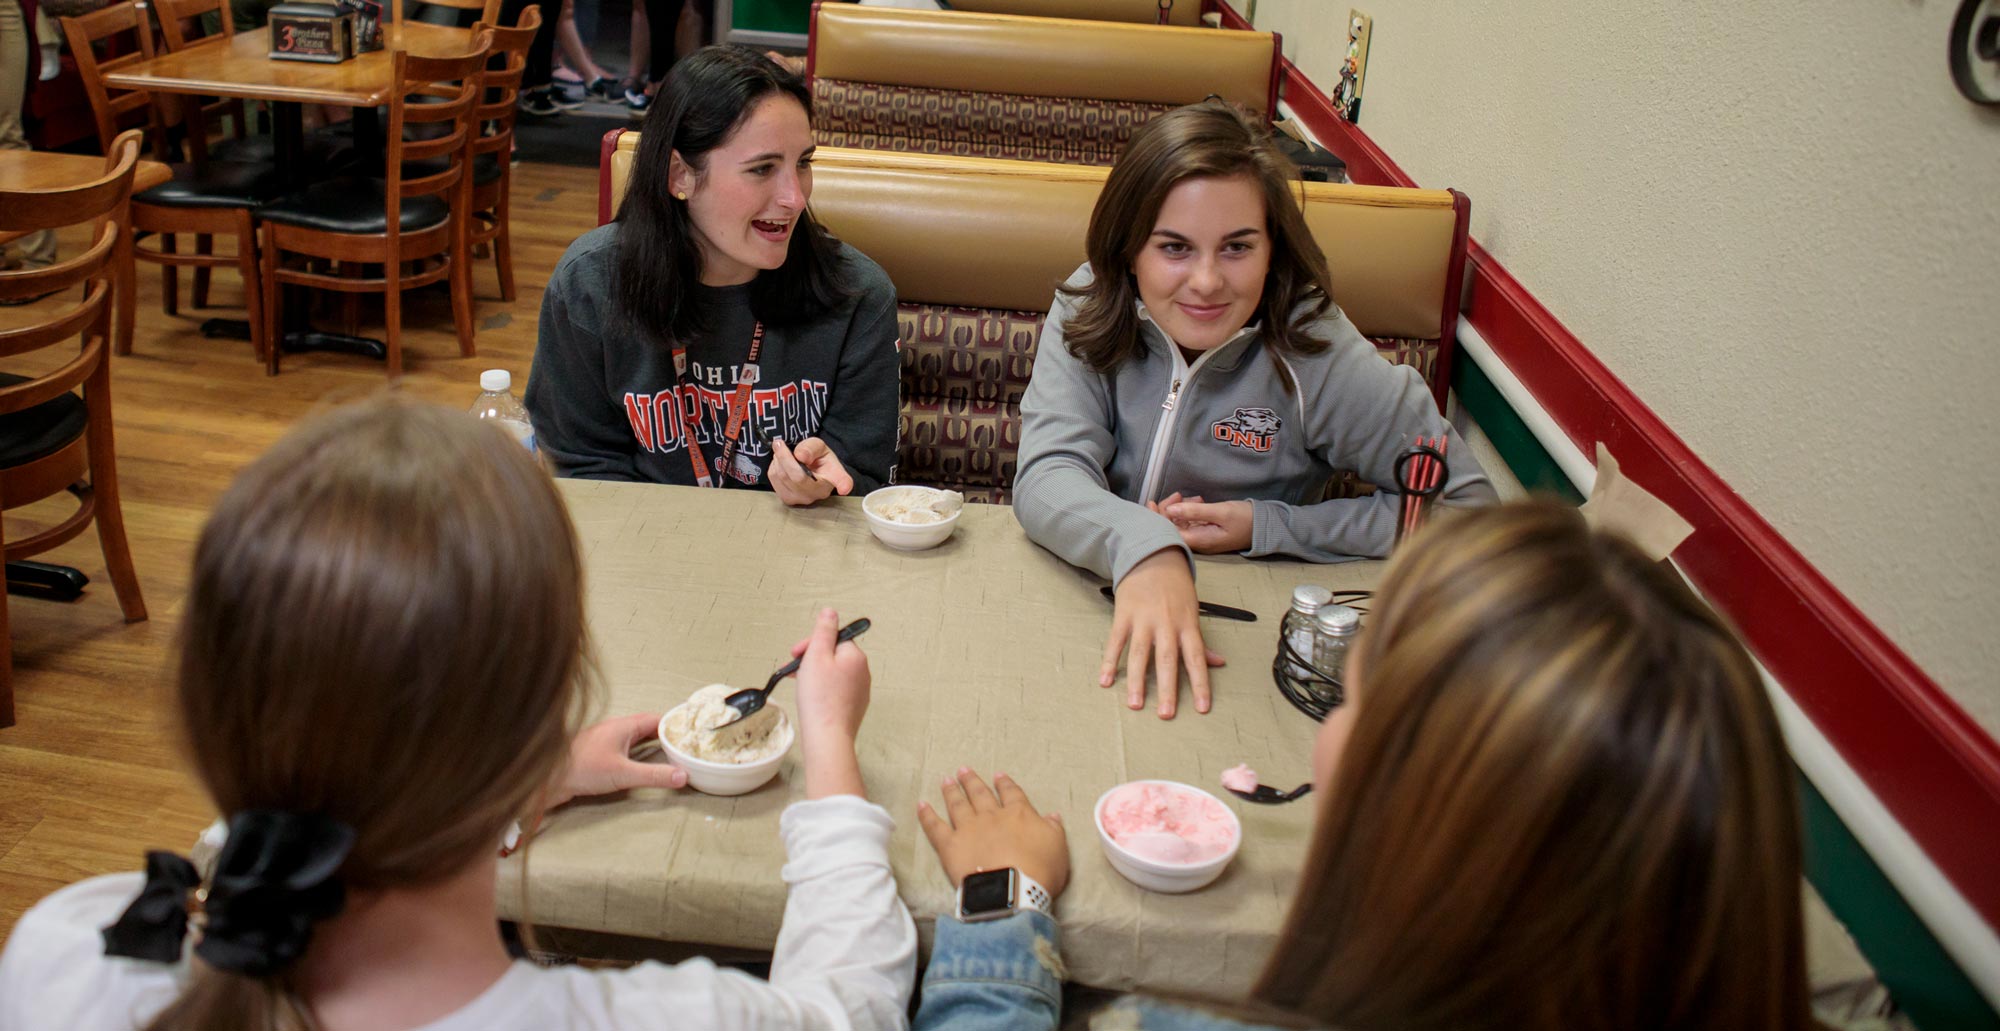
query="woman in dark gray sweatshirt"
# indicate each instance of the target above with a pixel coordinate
(714, 334)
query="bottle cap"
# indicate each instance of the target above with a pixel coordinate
(1338, 619)
(496, 380)
(1309, 597)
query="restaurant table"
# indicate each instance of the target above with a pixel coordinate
(243, 68)
(984, 653)
(42, 170)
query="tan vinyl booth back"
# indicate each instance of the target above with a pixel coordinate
(976, 249)
(1140, 12)
(1012, 86)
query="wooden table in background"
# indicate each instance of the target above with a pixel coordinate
(985, 653)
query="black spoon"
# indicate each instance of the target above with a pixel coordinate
(1265, 794)
(749, 701)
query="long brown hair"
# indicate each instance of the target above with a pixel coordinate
(1565, 803)
(384, 626)
(1207, 140)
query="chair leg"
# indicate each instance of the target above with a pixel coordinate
(392, 313)
(110, 517)
(204, 244)
(274, 300)
(6, 659)
(125, 283)
(170, 278)
(503, 253)
(350, 301)
(253, 287)
(461, 295)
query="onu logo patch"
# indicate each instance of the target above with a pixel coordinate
(1251, 429)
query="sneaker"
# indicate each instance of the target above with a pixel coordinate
(564, 98)
(605, 88)
(537, 102)
(636, 99)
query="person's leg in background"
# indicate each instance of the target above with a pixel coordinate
(538, 95)
(697, 27)
(596, 82)
(35, 249)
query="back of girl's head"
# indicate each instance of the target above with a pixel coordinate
(1564, 802)
(704, 100)
(1213, 139)
(385, 627)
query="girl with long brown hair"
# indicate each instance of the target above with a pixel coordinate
(382, 665)
(1556, 798)
(1195, 388)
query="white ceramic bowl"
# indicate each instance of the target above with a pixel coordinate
(1154, 875)
(907, 536)
(714, 778)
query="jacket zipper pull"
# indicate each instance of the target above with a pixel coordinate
(1173, 394)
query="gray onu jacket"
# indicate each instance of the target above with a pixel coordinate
(1094, 446)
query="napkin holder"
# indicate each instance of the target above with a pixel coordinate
(311, 32)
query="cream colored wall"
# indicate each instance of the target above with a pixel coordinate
(1778, 224)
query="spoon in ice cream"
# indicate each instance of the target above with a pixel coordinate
(749, 701)
(1241, 781)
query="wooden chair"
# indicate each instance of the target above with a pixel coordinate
(206, 198)
(399, 219)
(181, 28)
(51, 440)
(447, 12)
(492, 152)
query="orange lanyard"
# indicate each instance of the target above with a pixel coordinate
(739, 411)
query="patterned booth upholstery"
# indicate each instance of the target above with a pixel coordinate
(977, 247)
(1015, 86)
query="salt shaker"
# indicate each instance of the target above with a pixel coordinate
(1296, 630)
(1334, 627)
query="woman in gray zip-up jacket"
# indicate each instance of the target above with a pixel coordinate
(1170, 411)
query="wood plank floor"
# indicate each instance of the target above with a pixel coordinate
(91, 775)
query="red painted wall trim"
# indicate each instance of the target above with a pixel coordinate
(604, 151)
(1935, 768)
(812, 45)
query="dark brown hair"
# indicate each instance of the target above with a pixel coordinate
(1565, 803)
(1207, 140)
(384, 626)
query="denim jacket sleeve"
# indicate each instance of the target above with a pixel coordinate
(996, 975)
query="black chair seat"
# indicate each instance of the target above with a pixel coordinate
(352, 204)
(322, 151)
(217, 184)
(485, 168)
(40, 431)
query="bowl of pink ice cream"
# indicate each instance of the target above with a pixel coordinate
(1166, 836)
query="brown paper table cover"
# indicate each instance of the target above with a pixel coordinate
(985, 653)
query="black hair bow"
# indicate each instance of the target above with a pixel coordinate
(274, 879)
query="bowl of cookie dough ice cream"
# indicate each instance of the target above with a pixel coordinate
(911, 518)
(738, 758)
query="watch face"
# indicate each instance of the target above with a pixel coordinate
(989, 892)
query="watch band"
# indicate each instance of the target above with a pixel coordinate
(1032, 895)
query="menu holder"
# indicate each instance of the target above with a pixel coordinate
(311, 32)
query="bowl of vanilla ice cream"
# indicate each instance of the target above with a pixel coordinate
(1166, 836)
(735, 760)
(911, 518)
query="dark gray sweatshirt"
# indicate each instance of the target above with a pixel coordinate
(607, 403)
(1094, 446)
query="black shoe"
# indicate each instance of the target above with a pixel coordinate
(605, 88)
(537, 102)
(637, 100)
(562, 98)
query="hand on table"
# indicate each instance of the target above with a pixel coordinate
(1216, 529)
(1154, 614)
(790, 466)
(993, 829)
(600, 760)
(833, 697)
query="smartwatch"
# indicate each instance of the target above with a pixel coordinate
(992, 894)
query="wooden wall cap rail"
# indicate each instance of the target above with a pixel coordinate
(1140, 12)
(1053, 57)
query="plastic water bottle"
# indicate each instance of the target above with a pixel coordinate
(497, 402)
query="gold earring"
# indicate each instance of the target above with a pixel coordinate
(681, 196)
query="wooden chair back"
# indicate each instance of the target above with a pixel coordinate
(181, 27)
(495, 113)
(450, 88)
(110, 107)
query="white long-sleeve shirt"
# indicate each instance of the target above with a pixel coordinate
(845, 958)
